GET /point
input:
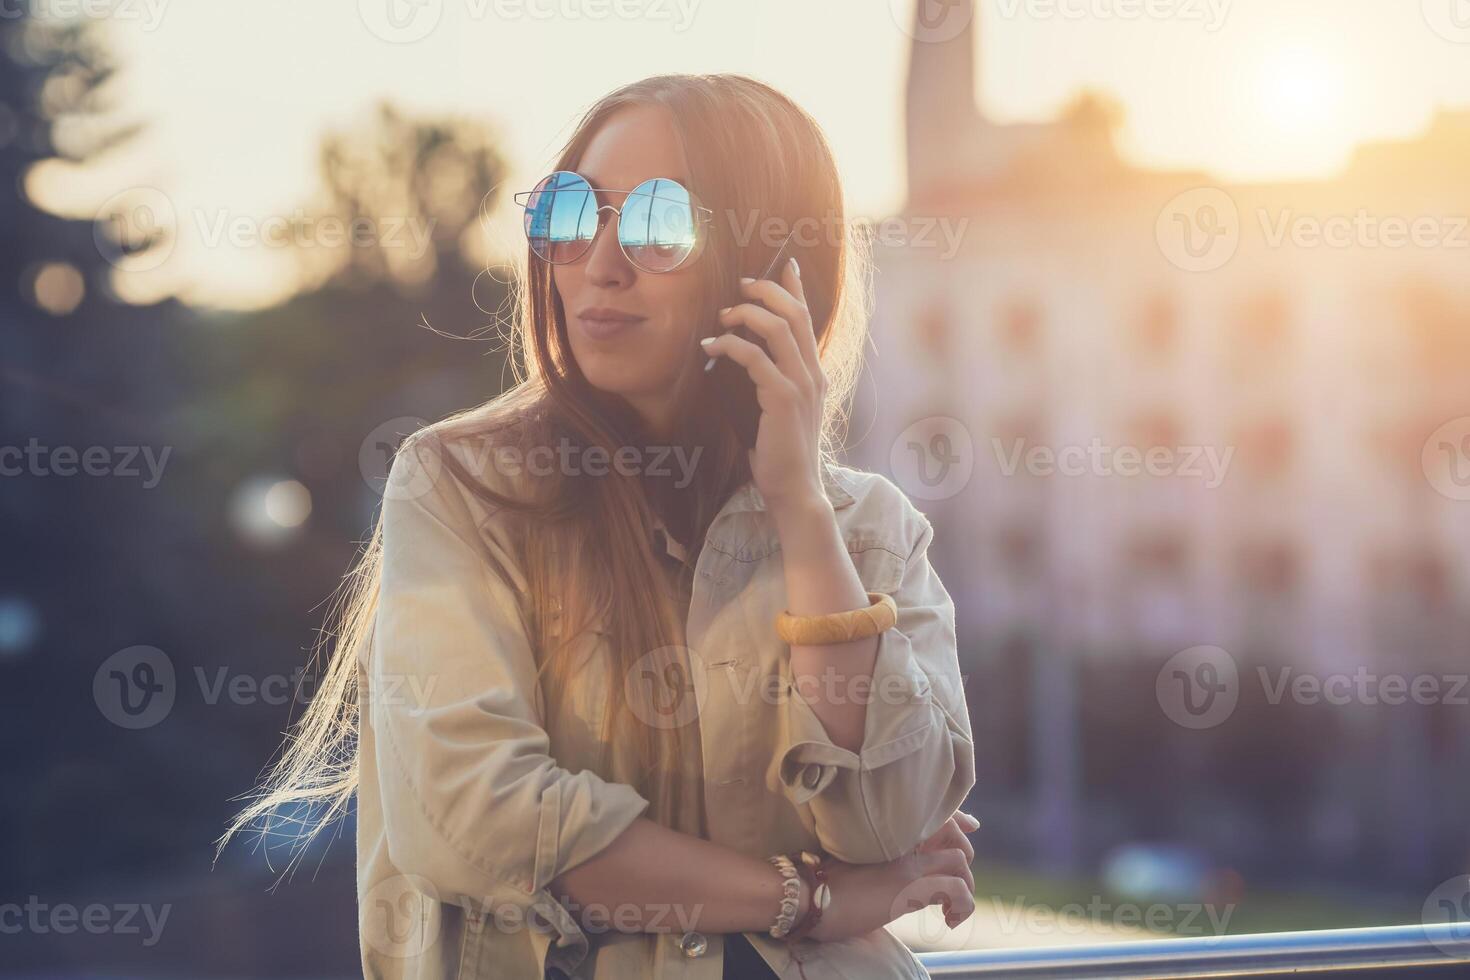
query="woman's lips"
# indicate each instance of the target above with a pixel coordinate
(601, 328)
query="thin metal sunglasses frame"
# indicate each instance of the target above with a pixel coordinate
(702, 215)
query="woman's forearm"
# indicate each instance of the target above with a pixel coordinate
(654, 879)
(834, 678)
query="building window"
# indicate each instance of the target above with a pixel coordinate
(1020, 327)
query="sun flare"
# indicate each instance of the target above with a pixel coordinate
(1301, 88)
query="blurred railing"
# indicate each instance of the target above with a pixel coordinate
(1438, 949)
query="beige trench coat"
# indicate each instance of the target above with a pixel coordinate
(468, 806)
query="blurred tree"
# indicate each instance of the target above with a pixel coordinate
(77, 371)
(410, 190)
(284, 397)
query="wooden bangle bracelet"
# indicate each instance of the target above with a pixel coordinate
(839, 627)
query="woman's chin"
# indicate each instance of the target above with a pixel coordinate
(628, 377)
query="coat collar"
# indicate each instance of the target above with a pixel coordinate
(748, 498)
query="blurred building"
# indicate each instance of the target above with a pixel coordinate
(1294, 347)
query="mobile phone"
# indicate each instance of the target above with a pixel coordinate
(732, 384)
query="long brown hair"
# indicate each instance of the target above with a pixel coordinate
(754, 156)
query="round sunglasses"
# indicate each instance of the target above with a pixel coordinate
(660, 225)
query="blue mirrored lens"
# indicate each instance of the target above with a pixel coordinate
(658, 228)
(561, 217)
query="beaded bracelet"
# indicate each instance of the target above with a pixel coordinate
(790, 895)
(815, 876)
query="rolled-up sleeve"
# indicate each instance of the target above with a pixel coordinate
(472, 799)
(917, 761)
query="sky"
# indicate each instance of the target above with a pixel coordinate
(236, 94)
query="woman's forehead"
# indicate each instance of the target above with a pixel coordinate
(631, 146)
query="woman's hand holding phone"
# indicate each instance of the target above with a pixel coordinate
(789, 384)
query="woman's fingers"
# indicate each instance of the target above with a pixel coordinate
(963, 904)
(952, 893)
(949, 861)
(806, 338)
(771, 384)
(775, 332)
(950, 835)
(963, 843)
(953, 833)
(787, 300)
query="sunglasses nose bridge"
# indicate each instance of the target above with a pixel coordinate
(597, 235)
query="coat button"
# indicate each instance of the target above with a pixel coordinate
(693, 944)
(811, 774)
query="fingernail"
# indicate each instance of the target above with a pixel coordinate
(795, 267)
(707, 341)
(726, 310)
(746, 280)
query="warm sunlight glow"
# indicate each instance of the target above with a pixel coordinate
(1265, 91)
(1302, 87)
(1302, 117)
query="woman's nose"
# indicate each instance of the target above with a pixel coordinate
(606, 264)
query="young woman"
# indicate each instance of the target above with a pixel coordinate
(604, 673)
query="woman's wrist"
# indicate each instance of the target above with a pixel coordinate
(804, 901)
(813, 873)
(803, 520)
